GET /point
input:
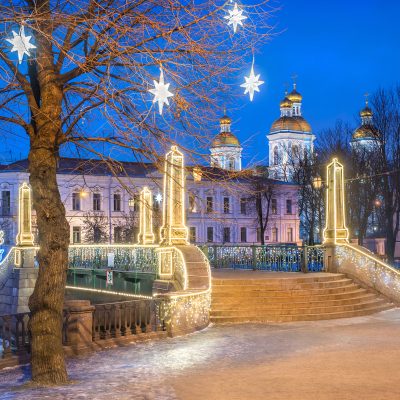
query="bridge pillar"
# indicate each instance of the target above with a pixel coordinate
(146, 235)
(174, 230)
(25, 236)
(335, 228)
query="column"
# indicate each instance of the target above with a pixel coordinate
(25, 236)
(174, 230)
(146, 235)
(335, 227)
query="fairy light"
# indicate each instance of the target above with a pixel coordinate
(335, 227)
(83, 289)
(174, 230)
(146, 235)
(24, 236)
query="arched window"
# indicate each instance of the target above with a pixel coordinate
(276, 155)
(295, 151)
(231, 163)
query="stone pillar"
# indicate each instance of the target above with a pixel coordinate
(146, 235)
(335, 228)
(79, 323)
(25, 236)
(174, 230)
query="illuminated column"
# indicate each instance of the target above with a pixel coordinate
(25, 236)
(174, 230)
(335, 228)
(146, 235)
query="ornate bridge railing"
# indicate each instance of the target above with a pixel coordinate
(118, 257)
(110, 321)
(125, 318)
(282, 258)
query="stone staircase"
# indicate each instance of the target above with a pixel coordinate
(240, 297)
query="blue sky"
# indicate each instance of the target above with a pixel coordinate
(338, 49)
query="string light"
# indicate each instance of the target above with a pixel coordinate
(146, 235)
(24, 236)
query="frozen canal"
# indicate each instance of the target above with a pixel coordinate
(341, 359)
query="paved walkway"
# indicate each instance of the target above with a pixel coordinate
(340, 360)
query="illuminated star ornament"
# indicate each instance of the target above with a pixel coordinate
(252, 83)
(21, 44)
(235, 17)
(159, 198)
(161, 92)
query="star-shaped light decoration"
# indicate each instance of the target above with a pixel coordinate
(235, 17)
(161, 92)
(252, 83)
(159, 198)
(21, 44)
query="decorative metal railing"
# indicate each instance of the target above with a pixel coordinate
(6, 266)
(110, 320)
(121, 258)
(125, 318)
(282, 258)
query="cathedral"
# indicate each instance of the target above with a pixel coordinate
(289, 138)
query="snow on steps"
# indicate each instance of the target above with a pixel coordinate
(290, 297)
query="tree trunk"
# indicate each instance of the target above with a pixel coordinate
(46, 302)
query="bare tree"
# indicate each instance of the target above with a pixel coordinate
(97, 59)
(386, 104)
(95, 227)
(261, 190)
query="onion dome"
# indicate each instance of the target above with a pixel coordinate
(366, 132)
(286, 103)
(366, 112)
(294, 96)
(225, 120)
(225, 139)
(296, 124)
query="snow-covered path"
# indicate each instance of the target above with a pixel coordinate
(340, 359)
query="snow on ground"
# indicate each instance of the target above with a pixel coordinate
(340, 359)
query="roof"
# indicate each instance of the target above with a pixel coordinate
(78, 166)
(225, 139)
(296, 124)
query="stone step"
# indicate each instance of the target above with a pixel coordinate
(319, 309)
(284, 285)
(259, 292)
(285, 304)
(302, 317)
(302, 278)
(289, 298)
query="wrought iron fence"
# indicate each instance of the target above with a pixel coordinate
(121, 258)
(283, 258)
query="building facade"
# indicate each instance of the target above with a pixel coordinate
(102, 206)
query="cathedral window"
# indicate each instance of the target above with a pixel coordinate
(231, 164)
(276, 155)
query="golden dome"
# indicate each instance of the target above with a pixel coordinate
(294, 96)
(298, 124)
(225, 120)
(366, 112)
(225, 139)
(286, 103)
(366, 132)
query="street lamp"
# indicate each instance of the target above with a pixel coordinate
(317, 182)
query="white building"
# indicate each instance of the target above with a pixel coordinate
(290, 137)
(220, 208)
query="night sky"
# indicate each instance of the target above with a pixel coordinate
(338, 49)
